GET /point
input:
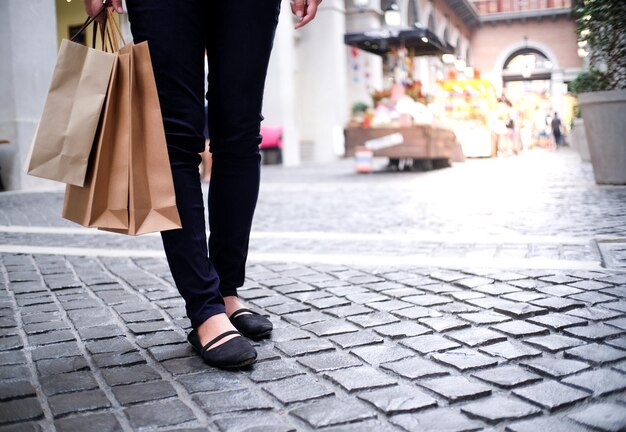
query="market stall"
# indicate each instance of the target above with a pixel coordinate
(399, 125)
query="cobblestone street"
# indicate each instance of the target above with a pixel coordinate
(490, 296)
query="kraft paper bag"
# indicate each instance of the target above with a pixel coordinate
(151, 198)
(65, 135)
(103, 200)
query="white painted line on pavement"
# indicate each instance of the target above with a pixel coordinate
(345, 259)
(339, 236)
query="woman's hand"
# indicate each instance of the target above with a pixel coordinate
(92, 7)
(305, 10)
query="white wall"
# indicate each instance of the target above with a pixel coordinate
(28, 52)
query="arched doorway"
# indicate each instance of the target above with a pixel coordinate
(527, 91)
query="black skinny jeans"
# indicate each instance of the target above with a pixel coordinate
(238, 37)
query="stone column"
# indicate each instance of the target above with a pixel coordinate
(28, 47)
(323, 109)
(279, 106)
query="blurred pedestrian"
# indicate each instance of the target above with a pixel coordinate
(237, 36)
(555, 124)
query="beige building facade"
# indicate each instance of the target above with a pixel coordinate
(314, 78)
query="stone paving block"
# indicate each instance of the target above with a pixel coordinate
(329, 361)
(596, 354)
(272, 371)
(398, 399)
(402, 330)
(498, 408)
(282, 334)
(496, 289)
(465, 359)
(359, 378)
(444, 324)
(590, 285)
(607, 417)
(619, 323)
(67, 403)
(376, 354)
(403, 292)
(519, 328)
(592, 297)
(11, 343)
(61, 365)
(389, 305)
(438, 420)
(349, 311)
(254, 422)
(149, 327)
(374, 319)
(555, 367)
(548, 424)
(429, 343)
(232, 401)
(288, 308)
(558, 304)
(510, 350)
(595, 313)
(507, 376)
(331, 327)
(558, 321)
(600, 381)
(332, 411)
(471, 295)
(559, 290)
(455, 388)
(427, 300)
(415, 367)
(559, 279)
(100, 332)
(519, 310)
(476, 336)
(298, 389)
(328, 302)
(143, 392)
(306, 346)
(523, 296)
(416, 312)
(129, 375)
(213, 380)
(20, 410)
(551, 395)
(366, 297)
(105, 422)
(361, 338)
(44, 327)
(159, 338)
(107, 360)
(304, 318)
(473, 282)
(593, 332)
(16, 390)
(8, 372)
(62, 349)
(617, 342)
(117, 344)
(48, 338)
(554, 343)
(160, 413)
(455, 308)
(485, 317)
(68, 382)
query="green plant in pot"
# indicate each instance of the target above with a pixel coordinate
(602, 90)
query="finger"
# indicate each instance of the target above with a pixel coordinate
(298, 8)
(311, 11)
(117, 6)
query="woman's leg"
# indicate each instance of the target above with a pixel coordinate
(239, 40)
(175, 31)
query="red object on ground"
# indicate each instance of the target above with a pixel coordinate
(272, 137)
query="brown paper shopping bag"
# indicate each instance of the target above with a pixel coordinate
(103, 201)
(65, 135)
(151, 200)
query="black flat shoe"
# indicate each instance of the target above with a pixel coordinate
(234, 353)
(251, 324)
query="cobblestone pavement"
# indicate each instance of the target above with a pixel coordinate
(383, 319)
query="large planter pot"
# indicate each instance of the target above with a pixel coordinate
(604, 114)
(579, 140)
